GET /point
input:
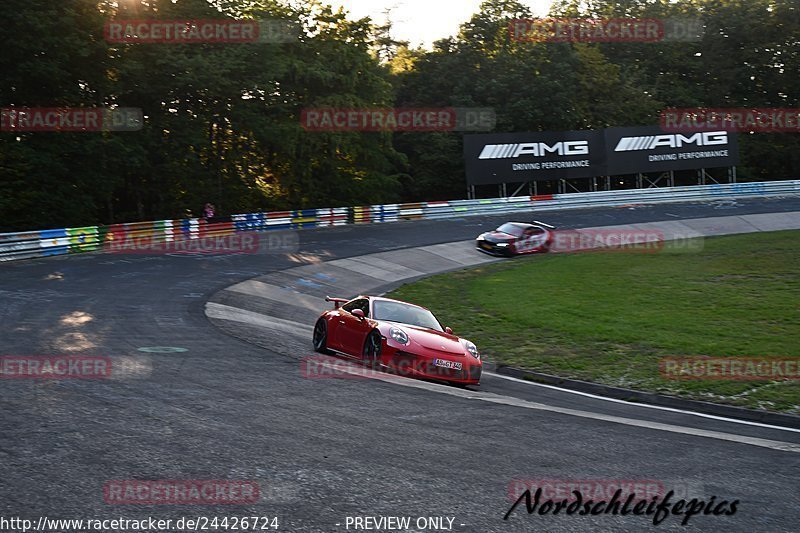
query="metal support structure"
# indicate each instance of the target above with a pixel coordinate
(709, 176)
(518, 189)
(642, 181)
(654, 184)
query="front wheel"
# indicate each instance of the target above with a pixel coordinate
(321, 336)
(371, 355)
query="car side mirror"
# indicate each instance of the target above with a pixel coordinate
(448, 331)
(359, 313)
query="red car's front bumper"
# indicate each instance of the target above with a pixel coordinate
(423, 365)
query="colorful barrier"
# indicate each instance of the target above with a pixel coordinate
(50, 242)
(334, 216)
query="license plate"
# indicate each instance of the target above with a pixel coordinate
(444, 363)
(486, 246)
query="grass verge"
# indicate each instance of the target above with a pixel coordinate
(610, 317)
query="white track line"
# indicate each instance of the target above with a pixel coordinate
(643, 405)
(235, 314)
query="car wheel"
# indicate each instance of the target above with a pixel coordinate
(321, 336)
(371, 355)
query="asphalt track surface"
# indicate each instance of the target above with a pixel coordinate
(323, 450)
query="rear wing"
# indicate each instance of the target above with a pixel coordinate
(336, 301)
(538, 223)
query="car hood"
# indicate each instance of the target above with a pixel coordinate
(432, 340)
(498, 236)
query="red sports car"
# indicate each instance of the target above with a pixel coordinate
(403, 337)
(515, 238)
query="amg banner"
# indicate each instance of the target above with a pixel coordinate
(518, 157)
(650, 149)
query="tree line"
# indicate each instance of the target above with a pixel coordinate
(222, 121)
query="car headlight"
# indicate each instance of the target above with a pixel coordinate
(471, 348)
(502, 244)
(399, 335)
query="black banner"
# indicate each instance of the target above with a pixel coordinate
(519, 157)
(650, 149)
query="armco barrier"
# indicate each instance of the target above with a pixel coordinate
(30, 244)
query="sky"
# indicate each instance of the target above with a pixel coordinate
(424, 21)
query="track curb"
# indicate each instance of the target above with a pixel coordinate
(634, 396)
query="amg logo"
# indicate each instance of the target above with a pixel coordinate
(510, 151)
(651, 142)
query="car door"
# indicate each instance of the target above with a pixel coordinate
(532, 238)
(351, 331)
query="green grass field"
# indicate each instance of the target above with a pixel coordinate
(610, 317)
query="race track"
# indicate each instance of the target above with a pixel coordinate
(230, 401)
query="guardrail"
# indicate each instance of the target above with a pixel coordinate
(43, 243)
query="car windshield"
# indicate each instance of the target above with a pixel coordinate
(511, 229)
(405, 314)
